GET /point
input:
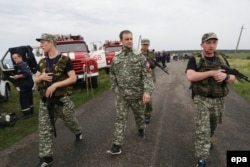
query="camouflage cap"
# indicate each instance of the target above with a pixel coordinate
(208, 36)
(47, 37)
(145, 41)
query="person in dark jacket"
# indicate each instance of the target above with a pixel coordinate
(163, 58)
(25, 83)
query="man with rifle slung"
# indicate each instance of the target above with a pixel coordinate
(149, 54)
(209, 86)
(158, 65)
(54, 76)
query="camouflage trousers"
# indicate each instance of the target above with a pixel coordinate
(66, 112)
(208, 113)
(122, 108)
(148, 109)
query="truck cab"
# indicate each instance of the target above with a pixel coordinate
(97, 52)
(104, 53)
(110, 47)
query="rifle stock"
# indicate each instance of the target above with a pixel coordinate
(51, 102)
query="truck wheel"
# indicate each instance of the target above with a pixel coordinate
(94, 82)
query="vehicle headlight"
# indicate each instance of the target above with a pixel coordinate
(91, 67)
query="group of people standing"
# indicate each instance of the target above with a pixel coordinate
(132, 80)
(163, 57)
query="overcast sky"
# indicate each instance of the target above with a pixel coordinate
(169, 24)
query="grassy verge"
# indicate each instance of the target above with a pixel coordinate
(22, 128)
(241, 62)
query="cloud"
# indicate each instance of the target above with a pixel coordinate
(170, 25)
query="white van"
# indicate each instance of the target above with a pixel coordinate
(4, 89)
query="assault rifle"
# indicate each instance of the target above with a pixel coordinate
(158, 65)
(229, 70)
(234, 72)
(50, 102)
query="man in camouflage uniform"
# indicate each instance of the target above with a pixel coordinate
(54, 77)
(149, 54)
(209, 87)
(132, 83)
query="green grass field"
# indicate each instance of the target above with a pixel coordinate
(241, 62)
(239, 56)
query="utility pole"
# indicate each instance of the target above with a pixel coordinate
(239, 39)
(139, 42)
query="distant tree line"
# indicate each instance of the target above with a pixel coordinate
(195, 51)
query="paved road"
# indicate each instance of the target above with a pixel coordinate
(169, 138)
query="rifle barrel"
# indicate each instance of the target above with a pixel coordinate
(158, 65)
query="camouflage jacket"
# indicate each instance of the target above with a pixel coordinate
(130, 74)
(149, 56)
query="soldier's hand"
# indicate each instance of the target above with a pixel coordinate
(146, 98)
(47, 77)
(50, 90)
(220, 75)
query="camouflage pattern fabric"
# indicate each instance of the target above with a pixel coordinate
(130, 76)
(150, 55)
(130, 79)
(66, 113)
(122, 108)
(208, 114)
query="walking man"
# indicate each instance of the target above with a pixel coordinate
(209, 87)
(54, 77)
(132, 82)
(149, 54)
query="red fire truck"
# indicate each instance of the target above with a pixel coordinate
(75, 47)
(110, 47)
(105, 53)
